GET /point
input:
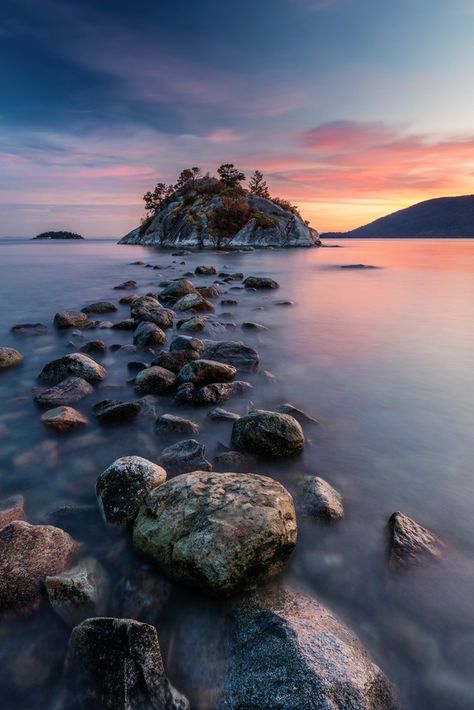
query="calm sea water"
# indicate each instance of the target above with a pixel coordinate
(382, 358)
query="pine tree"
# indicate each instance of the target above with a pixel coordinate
(230, 175)
(258, 185)
(154, 200)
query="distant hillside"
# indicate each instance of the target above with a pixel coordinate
(441, 217)
(58, 235)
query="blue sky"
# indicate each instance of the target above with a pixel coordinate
(352, 108)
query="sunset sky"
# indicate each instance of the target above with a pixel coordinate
(351, 108)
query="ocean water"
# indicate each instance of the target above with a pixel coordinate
(382, 358)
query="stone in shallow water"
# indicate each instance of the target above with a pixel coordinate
(80, 592)
(94, 347)
(205, 270)
(175, 360)
(64, 419)
(220, 392)
(235, 460)
(260, 282)
(74, 365)
(410, 542)
(321, 499)
(12, 508)
(268, 433)
(220, 414)
(28, 554)
(116, 412)
(200, 372)
(100, 307)
(187, 342)
(70, 319)
(122, 487)
(185, 456)
(298, 414)
(148, 335)
(116, 664)
(141, 593)
(126, 286)
(9, 357)
(169, 424)
(154, 380)
(235, 353)
(69, 391)
(193, 302)
(29, 329)
(238, 529)
(177, 289)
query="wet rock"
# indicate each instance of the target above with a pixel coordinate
(63, 419)
(320, 499)
(209, 291)
(154, 380)
(100, 307)
(27, 329)
(358, 266)
(182, 252)
(9, 357)
(80, 592)
(28, 554)
(235, 353)
(288, 652)
(126, 286)
(219, 392)
(268, 433)
(94, 347)
(148, 335)
(175, 360)
(177, 289)
(128, 324)
(229, 302)
(238, 529)
(70, 319)
(202, 371)
(116, 663)
(137, 263)
(116, 412)
(193, 325)
(410, 543)
(127, 300)
(122, 487)
(193, 302)
(183, 395)
(141, 594)
(12, 508)
(220, 414)
(74, 365)
(236, 460)
(168, 424)
(250, 325)
(284, 303)
(205, 270)
(296, 413)
(184, 456)
(69, 391)
(186, 342)
(260, 282)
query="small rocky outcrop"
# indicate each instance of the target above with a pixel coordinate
(80, 592)
(268, 434)
(410, 543)
(9, 357)
(69, 391)
(238, 529)
(200, 372)
(154, 380)
(70, 319)
(171, 425)
(122, 487)
(184, 456)
(28, 554)
(235, 353)
(320, 499)
(63, 419)
(117, 664)
(288, 652)
(110, 412)
(74, 365)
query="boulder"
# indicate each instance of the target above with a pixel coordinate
(100, 307)
(116, 412)
(193, 302)
(219, 392)
(187, 342)
(12, 508)
(74, 365)
(219, 414)
(234, 353)
(183, 395)
(260, 282)
(184, 456)
(205, 270)
(268, 433)
(126, 286)
(69, 391)
(193, 325)
(127, 300)
(200, 372)
(9, 357)
(63, 419)
(320, 499)
(154, 380)
(29, 329)
(410, 543)
(94, 347)
(116, 664)
(148, 335)
(127, 324)
(122, 487)
(28, 554)
(288, 652)
(80, 592)
(209, 291)
(175, 360)
(177, 289)
(70, 319)
(238, 529)
(168, 424)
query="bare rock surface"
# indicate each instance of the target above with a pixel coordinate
(268, 433)
(63, 419)
(184, 456)
(9, 357)
(148, 335)
(69, 391)
(70, 319)
(235, 353)
(203, 371)
(80, 592)
(154, 380)
(170, 424)
(410, 543)
(74, 365)
(320, 499)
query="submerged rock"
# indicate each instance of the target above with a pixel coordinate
(220, 414)
(202, 371)
(260, 282)
(9, 357)
(268, 433)
(116, 664)
(185, 456)
(288, 652)
(234, 460)
(175, 360)
(219, 392)
(298, 414)
(187, 342)
(122, 487)
(64, 419)
(94, 347)
(27, 329)
(141, 593)
(410, 543)
(321, 499)
(205, 270)
(126, 286)
(74, 365)
(154, 380)
(69, 319)
(116, 412)
(69, 391)
(80, 592)
(169, 424)
(238, 529)
(100, 307)
(28, 554)
(235, 353)
(12, 508)
(183, 395)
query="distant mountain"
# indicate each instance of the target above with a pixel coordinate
(58, 235)
(442, 217)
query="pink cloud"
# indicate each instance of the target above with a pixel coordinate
(224, 135)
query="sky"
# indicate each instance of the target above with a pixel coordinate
(351, 108)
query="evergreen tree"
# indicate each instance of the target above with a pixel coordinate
(154, 200)
(258, 185)
(230, 175)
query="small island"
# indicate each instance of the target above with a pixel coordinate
(58, 235)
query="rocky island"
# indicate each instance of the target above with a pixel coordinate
(218, 212)
(58, 235)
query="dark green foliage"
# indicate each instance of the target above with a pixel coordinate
(258, 185)
(286, 205)
(61, 234)
(187, 178)
(154, 200)
(229, 218)
(230, 175)
(262, 219)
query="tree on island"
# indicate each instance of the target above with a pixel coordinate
(229, 175)
(59, 234)
(154, 200)
(188, 177)
(258, 185)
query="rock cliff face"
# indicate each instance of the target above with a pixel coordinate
(207, 217)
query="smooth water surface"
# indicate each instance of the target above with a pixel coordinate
(382, 358)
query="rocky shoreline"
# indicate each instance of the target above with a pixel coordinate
(219, 525)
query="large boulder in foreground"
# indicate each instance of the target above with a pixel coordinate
(237, 530)
(116, 664)
(268, 434)
(74, 365)
(288, 652)
(28, 554)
